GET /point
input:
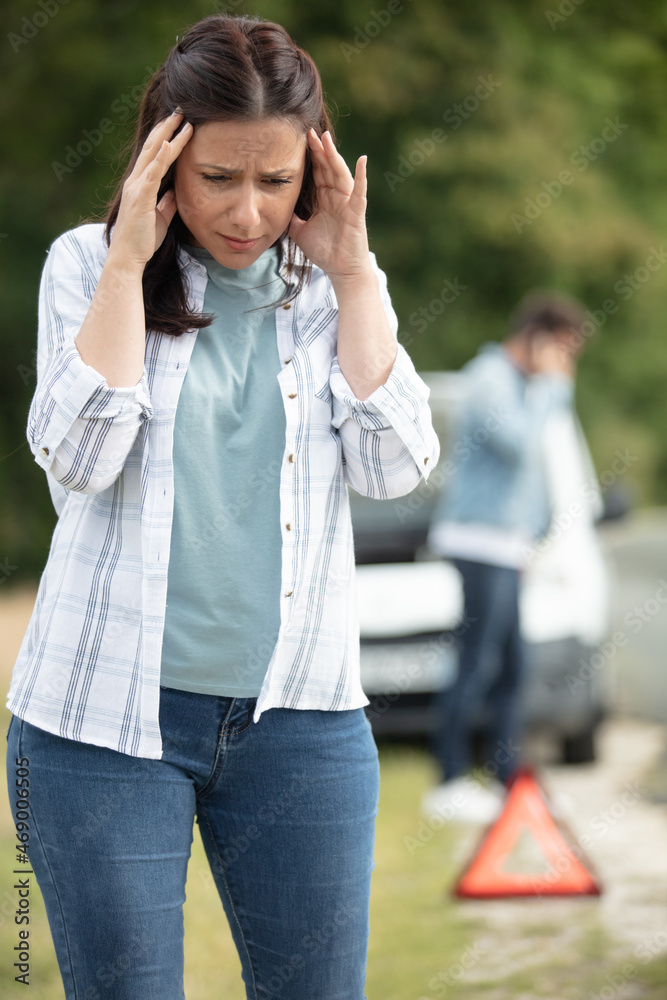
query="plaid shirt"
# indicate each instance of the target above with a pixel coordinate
(89, 665)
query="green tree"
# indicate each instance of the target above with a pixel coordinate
(511, 145)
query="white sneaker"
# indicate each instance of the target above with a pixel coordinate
(464, 800)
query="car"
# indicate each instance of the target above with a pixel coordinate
(410, 601)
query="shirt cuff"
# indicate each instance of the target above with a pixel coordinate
(401, 403)
(72, 390)
(346, 406)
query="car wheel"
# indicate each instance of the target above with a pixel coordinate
(579, 749)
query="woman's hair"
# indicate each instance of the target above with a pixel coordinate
(226, 68)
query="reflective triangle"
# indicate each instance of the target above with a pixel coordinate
(555, 868)
(526, 856)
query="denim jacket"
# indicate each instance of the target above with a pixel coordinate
(493, 472)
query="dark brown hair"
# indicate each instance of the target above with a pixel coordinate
(547, 312)
(226, 68)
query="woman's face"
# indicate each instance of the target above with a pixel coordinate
(236, 185)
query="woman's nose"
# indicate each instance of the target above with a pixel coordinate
(244, 211)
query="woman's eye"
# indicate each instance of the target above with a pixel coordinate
(271, 181)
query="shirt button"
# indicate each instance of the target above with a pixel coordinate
(288, 593)
(288, 305)
(426, 460)
(287, 361)
(288, 526)
(291, 458)
(292, 395)
(45, 451)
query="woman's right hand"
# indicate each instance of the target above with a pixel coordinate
(142, 221)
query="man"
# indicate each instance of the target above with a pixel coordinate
(487, 519)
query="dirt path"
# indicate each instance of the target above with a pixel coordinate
(610, 803)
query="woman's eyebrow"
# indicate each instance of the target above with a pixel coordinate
(229, 170)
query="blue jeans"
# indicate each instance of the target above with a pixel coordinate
(491, 668)
(286, 809)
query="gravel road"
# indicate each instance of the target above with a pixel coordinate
(619, 803)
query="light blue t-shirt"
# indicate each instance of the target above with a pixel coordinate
(223, 593)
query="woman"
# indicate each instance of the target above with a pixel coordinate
(214, 366)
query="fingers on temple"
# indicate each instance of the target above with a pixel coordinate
(329, 166)
(155, 142)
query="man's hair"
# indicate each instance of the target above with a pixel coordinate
(548, 312)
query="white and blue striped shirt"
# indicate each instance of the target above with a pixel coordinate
(89, 665)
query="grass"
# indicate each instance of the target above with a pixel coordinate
(425, 944)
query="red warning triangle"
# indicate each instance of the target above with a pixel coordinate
(488, 875)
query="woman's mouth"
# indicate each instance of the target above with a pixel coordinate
(236, 244)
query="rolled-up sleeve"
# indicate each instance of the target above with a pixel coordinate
(80, 429)
(389, 443)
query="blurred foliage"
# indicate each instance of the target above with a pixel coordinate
(481, 106)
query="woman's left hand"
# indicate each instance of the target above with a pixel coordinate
(335, 237)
